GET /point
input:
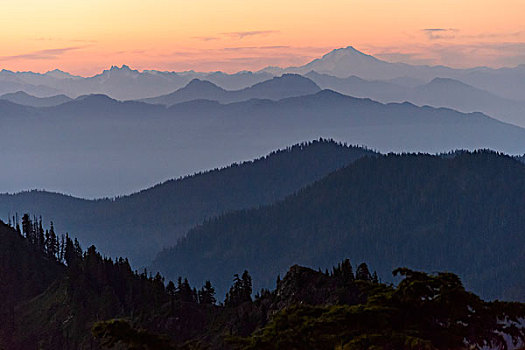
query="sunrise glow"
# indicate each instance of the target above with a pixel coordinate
(84, 37)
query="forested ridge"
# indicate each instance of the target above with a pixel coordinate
(464, 213)
(82, 300)
(140, 225)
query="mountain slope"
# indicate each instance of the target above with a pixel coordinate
(95, 303)
(25, 99)
(454, 94)
(125, 83)
(24, 273)
(102, 147)
(440, 92)
(348, 61)
(121, 83)
(460, 214)
(378, 90)
(345, 62)
(288, 85)
(140, 225)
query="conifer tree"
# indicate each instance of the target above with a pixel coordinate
(170, 289)
(27, 228)
(362, 273)
(207, 294)
(40, 235)
(240, 291)
(246, 286)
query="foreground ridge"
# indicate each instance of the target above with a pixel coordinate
(307, 309)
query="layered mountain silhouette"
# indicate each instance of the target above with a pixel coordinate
(140, 225)
(25, 99)
(100, 146)
(345, 62)
(463, 213)
(440, 92)
(378, 90)
(125, 83)
(288, 85)
(24, 272)
(348, 61)
(121, 83)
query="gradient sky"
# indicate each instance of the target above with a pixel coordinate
(84, 37)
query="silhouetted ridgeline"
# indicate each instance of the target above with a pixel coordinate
(140, 225)
(277, 88)
(25, 99)
(101, 146)
(463, 214)
(126, 83)
(85, 301)
(439, 92)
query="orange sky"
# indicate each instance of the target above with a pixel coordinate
(84, 37)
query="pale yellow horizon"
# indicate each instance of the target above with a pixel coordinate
(85, 37)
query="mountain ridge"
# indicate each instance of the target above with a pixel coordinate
(398, 210)
(277, 88)
(167, 210)
(129, 84)
(439, 92)
(119, 147)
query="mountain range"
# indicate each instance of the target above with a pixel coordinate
(78, 299)
(140, 225)
(464, 213)
(124, 83)
(25, 99)
(440, 92)
(277, 88)
(121, 83)
(95, 146)
(345, 62)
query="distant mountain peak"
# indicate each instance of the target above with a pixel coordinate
(447, 81)
(327, 93)
(95, 98)
(198, 85)
(200, 82)
(290, 81)
(291, 76)
(342, 63)
(59, 74)
(123, 67)
(18, 93)
(345, 52)
(56, 71)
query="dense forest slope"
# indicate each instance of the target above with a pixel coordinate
(52, 291)
(24, 273)
(140, 225)
(463, 214)
(85, 301)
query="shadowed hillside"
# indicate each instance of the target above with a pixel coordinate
(103, 147)
(82, 300)
(140, 225)
(463, 214)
